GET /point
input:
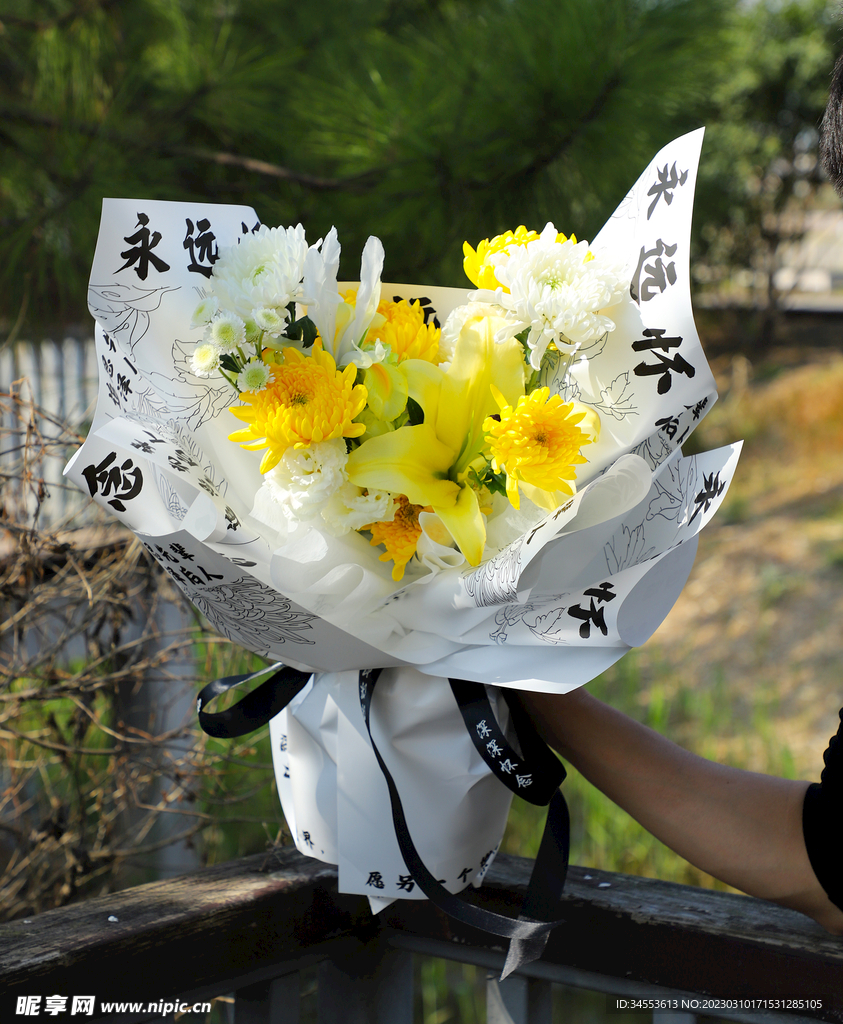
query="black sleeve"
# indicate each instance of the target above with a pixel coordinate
(822, 820)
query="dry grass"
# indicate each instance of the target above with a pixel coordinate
(105, 774)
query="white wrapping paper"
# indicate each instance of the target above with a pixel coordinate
(559, 598)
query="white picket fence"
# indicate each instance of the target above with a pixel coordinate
(59, 379)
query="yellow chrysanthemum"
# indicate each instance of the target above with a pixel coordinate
(539, 441)
(403, 329)
(479, 270)
(309, 400)
(400, 536)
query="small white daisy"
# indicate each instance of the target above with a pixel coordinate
(227, 332)
(205, 360)
(205, 311)
(253, 332)
(254, 376)
(270, 320)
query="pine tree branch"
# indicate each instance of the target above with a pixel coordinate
(545, 159)
(354, 183)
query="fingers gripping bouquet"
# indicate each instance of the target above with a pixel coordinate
(454, 492)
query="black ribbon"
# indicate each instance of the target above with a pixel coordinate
(527, 933)
(533, 773)
(257, 707)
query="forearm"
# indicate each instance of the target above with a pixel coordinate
(741, 827)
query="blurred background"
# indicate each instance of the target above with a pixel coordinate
(425, 122)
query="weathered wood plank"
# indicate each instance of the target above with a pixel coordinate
(182, 934)
(233, 925)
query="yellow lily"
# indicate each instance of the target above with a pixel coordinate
(430, 462)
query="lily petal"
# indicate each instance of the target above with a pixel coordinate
(368, 297)
(424, 381)
(319, 287)
(411, 461)
(466, 524)
(466, 397)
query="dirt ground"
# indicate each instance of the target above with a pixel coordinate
(760, 617)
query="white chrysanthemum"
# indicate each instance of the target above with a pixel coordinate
(457, 319)
(270, 320)
(254, 376)
(350, 509)
(227, 332)
(263, 270)
(305, 478)
(205, 311)
(557, 292)
(311, 483)
(205, 360)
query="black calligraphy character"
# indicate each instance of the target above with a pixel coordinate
(713, 487)
(605, 592)
(192, 577)
(202, 248)
(206, 485)
(123, 385)
(405, 882)
(124, 481)
(145, 446)
(210, 575)
(375, 879)
(463, 875)
(110, 342)
(653, 341)
(231, 519)
(305, 836)
(485, 860)
(182, 551)
(664, 186)
(109, 366)
(165, 555)
(670, 424)
(245, 231)
(181, 461)
(426, 308)
(142, 253)
(659, 274)
(594, 616)
(699, 408)
(282, 743)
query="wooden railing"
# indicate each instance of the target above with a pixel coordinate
(251, 927)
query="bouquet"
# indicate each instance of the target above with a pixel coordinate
(441, 488)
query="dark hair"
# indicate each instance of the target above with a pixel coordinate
(831, 130)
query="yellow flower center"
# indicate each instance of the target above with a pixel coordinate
(538, 442)
(400, 536)
(308, 401)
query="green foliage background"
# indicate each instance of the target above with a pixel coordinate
(425, 122)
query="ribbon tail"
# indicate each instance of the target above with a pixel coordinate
(545, 889)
